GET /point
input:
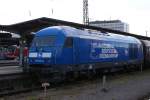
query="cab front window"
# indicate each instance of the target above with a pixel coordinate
(44, 41)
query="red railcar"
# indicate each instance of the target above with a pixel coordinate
(14, 51)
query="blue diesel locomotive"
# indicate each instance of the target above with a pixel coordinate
(65, 49)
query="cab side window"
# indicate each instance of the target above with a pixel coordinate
(133, 51)
(68, 42)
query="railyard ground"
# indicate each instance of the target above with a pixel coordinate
(122, 86)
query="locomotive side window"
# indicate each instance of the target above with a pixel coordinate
(68, 42)
(148, 52)
(133, 51)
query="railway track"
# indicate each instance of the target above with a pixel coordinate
(15, 92)
(13, 80)
(17, 83)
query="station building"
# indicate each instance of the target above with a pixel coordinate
(111, 24)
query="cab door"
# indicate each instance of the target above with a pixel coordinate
(81, 50)
(67, 52)
(76, 50)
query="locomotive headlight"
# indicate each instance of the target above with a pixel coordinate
(32, 55)
(47, 55)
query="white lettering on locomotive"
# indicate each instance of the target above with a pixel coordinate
(103, 50)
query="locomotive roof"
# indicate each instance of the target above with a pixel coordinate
(89, 34)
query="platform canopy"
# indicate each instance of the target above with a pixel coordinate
(5, 35)
(25, 28)
(6, 39)
(9, 41)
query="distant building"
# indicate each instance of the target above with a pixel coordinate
(112, 24)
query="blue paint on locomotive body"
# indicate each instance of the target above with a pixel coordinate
(63, 45)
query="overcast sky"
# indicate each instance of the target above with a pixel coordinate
(134, 12)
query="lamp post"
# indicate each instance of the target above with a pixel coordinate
(146, 33)
(52, 9)
(29, 11)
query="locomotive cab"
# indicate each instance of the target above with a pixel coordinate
(42, 49)
(51, 47)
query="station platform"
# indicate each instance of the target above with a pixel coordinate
(9, 63)
(10, 70)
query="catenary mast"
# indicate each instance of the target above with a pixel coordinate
(85, 12)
